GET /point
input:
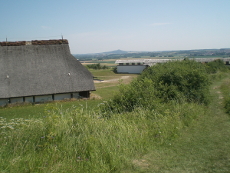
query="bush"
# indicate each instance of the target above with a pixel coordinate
(178, 80)
(97, 66)
(217, 65)
(136, 94)
(226, 94)
(115, 69)
(227, 105)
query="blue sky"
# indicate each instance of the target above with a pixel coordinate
(94, 26)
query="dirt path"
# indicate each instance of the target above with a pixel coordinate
(203, 147)
(112, 80)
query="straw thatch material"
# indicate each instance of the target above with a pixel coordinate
(41, 69)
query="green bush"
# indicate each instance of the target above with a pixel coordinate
(227, 105)
(215, 66)
(115, 69)
(179, 80)
(97, 66)
(226, 95)
(136, 94)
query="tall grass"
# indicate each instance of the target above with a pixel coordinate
(75, 141)
(226, 94)
(78, 139)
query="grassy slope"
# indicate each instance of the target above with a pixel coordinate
(204, 147)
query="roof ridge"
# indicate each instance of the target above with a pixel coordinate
(34, 42)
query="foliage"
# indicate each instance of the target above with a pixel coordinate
(136, 94)
(97, 66)
(202, 53)
(115, 69)
(76, 141)
(177, 80)
(227, 105)
(226, 95)
(215, 66)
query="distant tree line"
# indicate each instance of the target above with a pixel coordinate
(185, 53)
(97, 66)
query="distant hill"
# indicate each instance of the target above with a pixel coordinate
(116, 52)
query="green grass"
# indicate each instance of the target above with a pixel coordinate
(37, 111)
(226, 95)
(203, 147)
(74, 140)
(73, 137)
(106, 91)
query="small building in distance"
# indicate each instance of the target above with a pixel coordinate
(130, 66)
(136, 66)
(40, 71)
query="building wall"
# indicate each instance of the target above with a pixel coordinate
(62, 96)
(130, 68)
(44, 98)
(16, 100)
(37, 99)
(76, 95)
(29, 99)
(4, 102)
(84, 94)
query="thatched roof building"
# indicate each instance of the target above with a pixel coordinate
(41, 71)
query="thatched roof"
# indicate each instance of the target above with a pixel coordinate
(41, 68)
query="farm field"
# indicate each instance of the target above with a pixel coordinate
(72, 136)
(111, 62)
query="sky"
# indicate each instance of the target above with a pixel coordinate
(94, 26)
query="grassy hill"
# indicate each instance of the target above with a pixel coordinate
(74, 136)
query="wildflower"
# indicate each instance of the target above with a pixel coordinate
(11, 127)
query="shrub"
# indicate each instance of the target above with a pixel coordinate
(129, 97)
(217, 65)
(227, 105)
(178, 80)
(115, 69)
(226, 94)
(97, 66)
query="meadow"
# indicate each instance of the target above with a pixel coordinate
(163, 134)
